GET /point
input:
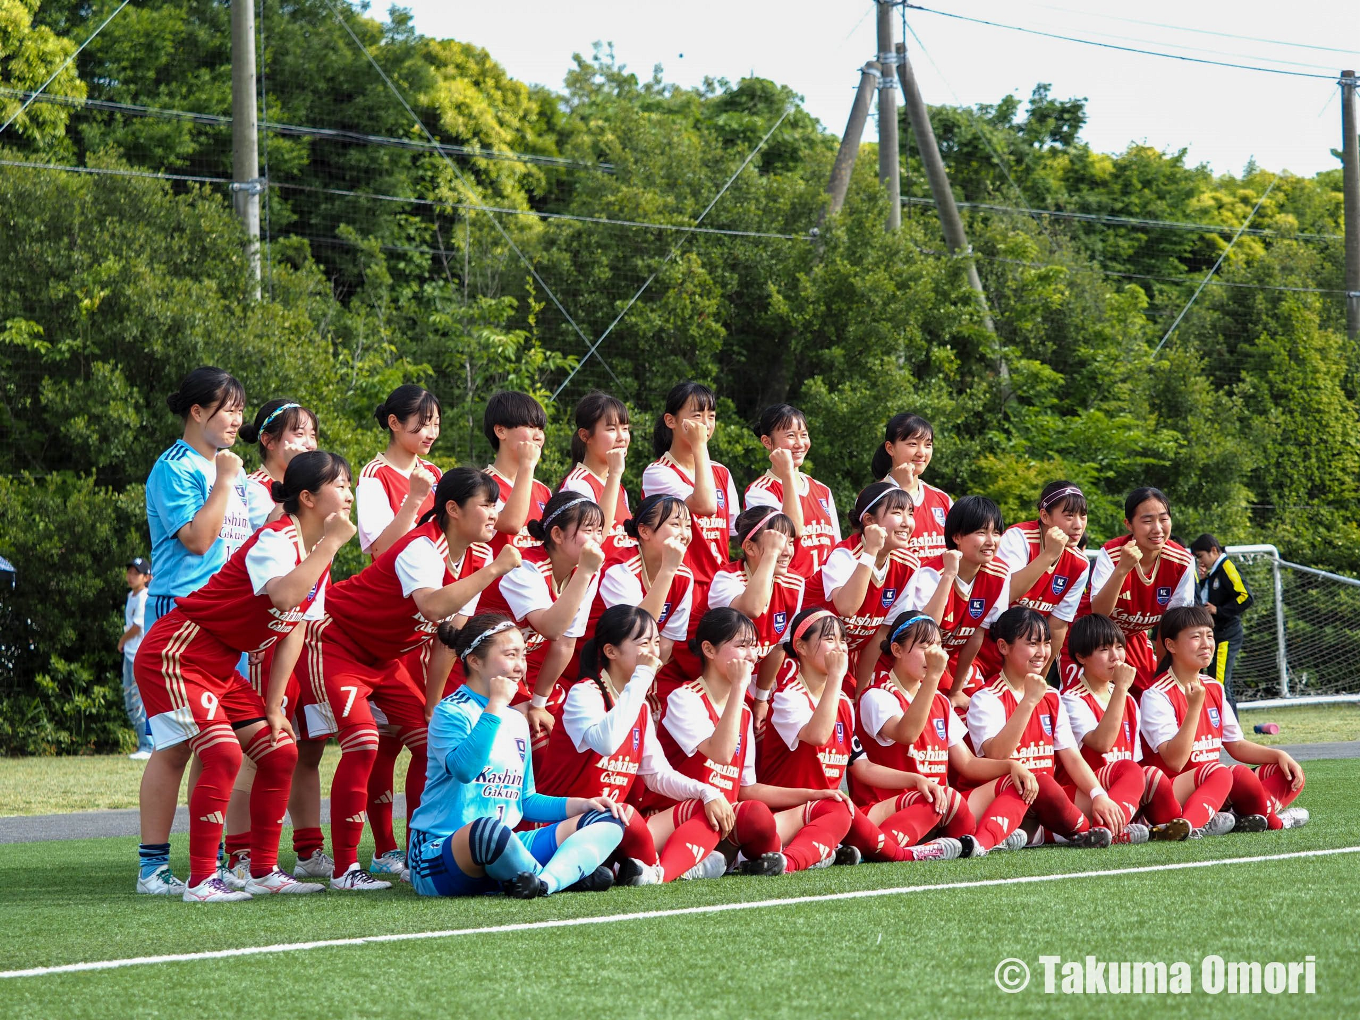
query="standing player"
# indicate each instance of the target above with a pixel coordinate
(482, 784)
(808, 503)
(514, 424)
(395, 487)
(908, 446)
(599, 450)
(196, 699)
(1186, 721)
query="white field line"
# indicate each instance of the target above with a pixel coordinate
(644, 915)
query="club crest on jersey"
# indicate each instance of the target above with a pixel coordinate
(939, 515)
(1127, 735)
(541, 506)
(1163, 595)
(781, 620)
(976, 607)
(840, 732)
(1046, 721)
(1059, 583)
(939, 729)
(665, 612)
(722, 500)
(519, 746)
(637, 737)
(1214, 720)
(888, 597)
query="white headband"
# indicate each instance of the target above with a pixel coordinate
(500, 628)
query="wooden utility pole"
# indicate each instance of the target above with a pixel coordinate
(1350, 156)
(889, 164)
(854, 131)
(246, 185)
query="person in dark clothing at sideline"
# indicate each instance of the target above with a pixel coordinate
(1224, 593)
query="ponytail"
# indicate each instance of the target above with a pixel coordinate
(209, 387)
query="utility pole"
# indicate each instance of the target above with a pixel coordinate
(1350, 155)
(889, 164)
(245, 160)
(854, 131)
(950, 220)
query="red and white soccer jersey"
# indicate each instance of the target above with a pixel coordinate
(1163, 709)
(882, 702)
(538, 499)
(626, 584)
(690, 719)
(1084, 713)
(885, 588)
(572, 769)
(784, 760)
(381, 490)
(1047, 731)
(930, 507)
(586, 482)
(708, 549)
(970, 606)
(529, 587)
(821, 526)
(786, 601)
(264, 479)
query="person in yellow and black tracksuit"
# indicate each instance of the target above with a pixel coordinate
(1222, 591)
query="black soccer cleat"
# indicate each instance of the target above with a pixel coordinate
(847, 856)
(1097, 837)
(1174, 831)
(1251, 823)
(629, 871)
(599, 880)
(525, 886)
(765, 864)
(971, 847)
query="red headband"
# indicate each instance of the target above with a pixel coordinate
(764, 521)
(820, 614)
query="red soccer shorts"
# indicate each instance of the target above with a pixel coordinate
(338, 685)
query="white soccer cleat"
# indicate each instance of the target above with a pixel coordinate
(355, 880)
(214, 890)
(946, 848)
(712, 866)
(391, 863)
(1134, 832)
(632, 871)
(241, 869)
(1220, 824)
(140, 755)
(229, 878)
(1294, 817)
(279, 881)
(161, 882)
(1015, 841)
(319, 865)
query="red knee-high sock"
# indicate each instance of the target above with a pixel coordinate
(958, 821)
(220, 753)
(827, 823)
(415, 774)
(1057, 814)
(349, 788)
(1003, 815)
(1278, 792)
(755, 832)
(693, 840)
(1247, 796)
(307, 842)
(1213, 783)
(274, 767)
(871, 841)
(1124, 783)
(637, 841)
(237, 843)
(380, 784)
(915, 816)
(1159, 803)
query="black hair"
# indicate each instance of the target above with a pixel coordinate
(718, 626)
(1021, 622)
(817, 632)
(206, 386)
(576, 516)
(749, 518)
(458, 485)
(1141, 495)
(654, 511)
(1091, 633)
(593, 408)
(1206, 543)
(460, 639)
(970, 514)
(1072, 502)
(680, 394)
(1172, 623)
(511, 409)
(880, 496)
(283, 421)
(616, 625)
(776, 417)
(899, 427)
(924, 630)
(406, 402)
(311, 471)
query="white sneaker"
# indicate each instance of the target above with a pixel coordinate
(140, 755)
(712, 866)
(279, 881)
(1134, 832)
(946, 848)
(241, 869)
(161, 882)
(319, 865)
(1294, 817)
(1015, 841)
(355, 880)
(213, 890)
(229, 878)
(391, 863)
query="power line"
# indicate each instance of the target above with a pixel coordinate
(1125, 49)
(116, 172)
(1146, 276)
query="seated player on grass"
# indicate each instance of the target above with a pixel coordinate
(481, 783)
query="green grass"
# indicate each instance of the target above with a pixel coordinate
(926, 953)
(1308, 724)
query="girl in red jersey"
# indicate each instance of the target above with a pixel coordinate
(1024, 719)
(514, 424)
(363, 651)
(812, 741)
(909, 738)
(1139, 576)
(549, 595)
(1048, 568)
(808, 503)
(708, 734)
(395, 487)
(908, 446)
(865, 574)
(1186, 721)
(197, 701)
(283, 428)
(683, 469)
(599, 449)
(606, 740)
(1104, 720)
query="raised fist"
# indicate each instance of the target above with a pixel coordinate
(781, 464)
(874, 539)
(527, 453)
(936, 661)
(228, 465)
(502, 690)
(672, 554)
(615, 460)
(1124, 675)
(1055, 541)
(1130, 555)
(950, 562)
(339, 527)
(695, 432)
(1035, 688)
(506, 560)
(422, 484)
(592, 557)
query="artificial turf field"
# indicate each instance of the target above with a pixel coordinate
(924, 952)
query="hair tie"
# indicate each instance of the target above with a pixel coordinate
(873, 501)
(500, 628)
(901, 627)
(1052, 498)
(275, 413)
(750, 535)
(564, 507)
(820, 614)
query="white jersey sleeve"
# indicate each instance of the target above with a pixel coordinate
(620, 587)
(273, 555)
(686, 720)
(837, 569)
(1079, 715)
(877, 708)
(1071, 601)
(760, 495)
(748, 766)
(525, 590)
(1156, 719)
(577, 627)
(1184, 595)
(917, 593)
(1014, 549)
(677, 624)
(1062, 730)
(590, 725)
(317, 610)
(579, 486)
(790, 711)
(732, 513)
(1002, 603)
(657, 479)
(835, 517)
(955, 731)
(1101, 571)
(373, 513)
(727, 585)
(419, 566)
(986, 716)
(1232, 729)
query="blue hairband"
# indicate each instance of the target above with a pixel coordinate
(276, 412)
(897, 632)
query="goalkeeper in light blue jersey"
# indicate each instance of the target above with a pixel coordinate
(480, 784)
